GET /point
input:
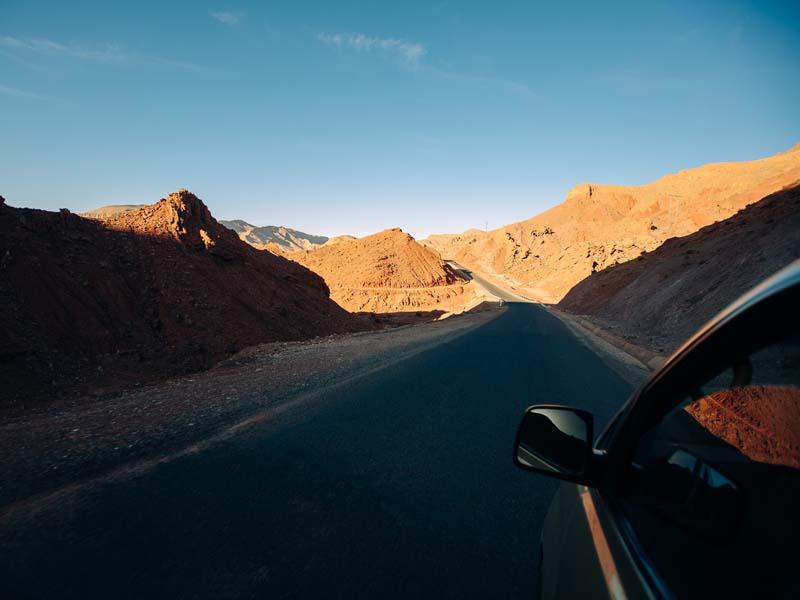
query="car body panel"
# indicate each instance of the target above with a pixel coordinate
(588, 548)
(583, 554)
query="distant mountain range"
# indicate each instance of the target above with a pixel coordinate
(270, 237)
(274, 238)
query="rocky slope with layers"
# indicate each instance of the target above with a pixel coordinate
(388, 272)
(599, 226)
(662, 297)
(274, 239)
(160, 290)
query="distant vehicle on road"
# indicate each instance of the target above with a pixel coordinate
(693, 489)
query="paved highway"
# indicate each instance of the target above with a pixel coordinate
(398, 484)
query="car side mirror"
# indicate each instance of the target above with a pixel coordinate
(556, 441)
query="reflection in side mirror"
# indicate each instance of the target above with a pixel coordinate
(555, 440)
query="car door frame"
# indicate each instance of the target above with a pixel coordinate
(751, 323)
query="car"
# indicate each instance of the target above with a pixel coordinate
(693, 489)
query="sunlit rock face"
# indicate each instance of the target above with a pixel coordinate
(598, 226)
(388, 272)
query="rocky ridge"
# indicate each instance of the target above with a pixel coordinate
(161, 290)
(105, 212)
(599, 226)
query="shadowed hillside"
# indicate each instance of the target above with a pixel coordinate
(160, 290)
(661, 297)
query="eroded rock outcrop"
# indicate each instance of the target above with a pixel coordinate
(599, 226)
(388, 272)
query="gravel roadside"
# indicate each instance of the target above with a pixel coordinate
(48, 450)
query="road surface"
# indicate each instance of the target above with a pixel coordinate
(398, 484)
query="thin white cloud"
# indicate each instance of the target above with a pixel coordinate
(45, 46)
(411, 52)
(111, 53)
(497, 83)
(18, 93)
(226, 17)
(640, 80)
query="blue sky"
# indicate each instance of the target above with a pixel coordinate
(350, 117)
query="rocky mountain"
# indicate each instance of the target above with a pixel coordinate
(104, 212)
(280, 239)
(387, 272)
(599, 226)
(160, 290)
(663, 296)
(340, 238)
(275, 239)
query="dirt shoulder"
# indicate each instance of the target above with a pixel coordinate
(45, 450)
(632, 362)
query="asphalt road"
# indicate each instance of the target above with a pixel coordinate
(395, 485)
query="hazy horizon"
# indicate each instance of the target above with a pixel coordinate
(359, 117)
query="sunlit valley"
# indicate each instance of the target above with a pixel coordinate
(281, 292)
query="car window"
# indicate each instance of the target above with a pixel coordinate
(714, 486)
